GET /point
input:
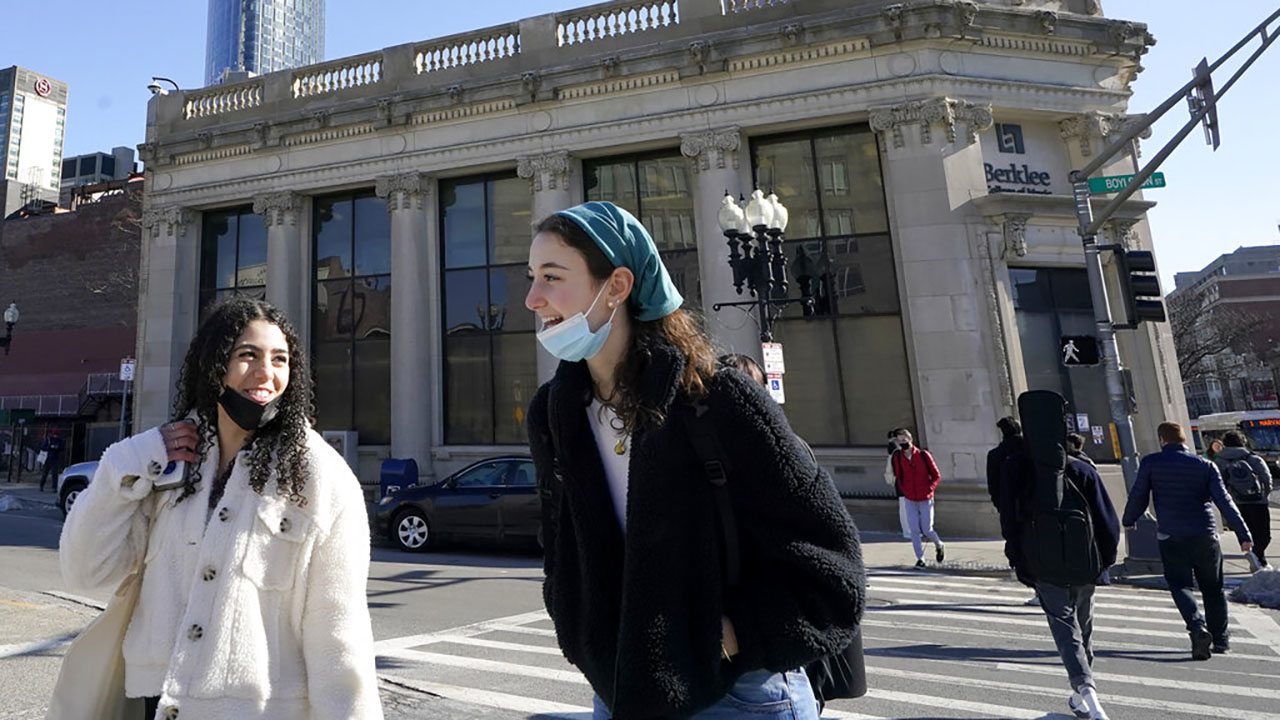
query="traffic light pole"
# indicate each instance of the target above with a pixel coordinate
(1203, 100)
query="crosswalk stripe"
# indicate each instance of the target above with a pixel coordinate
(1000, 711)
(1149, 704)
(493, 666)
(996, 619)
(1234, 690)
(525, 629)
(917, 578)
(1163, 603)
(479, 628)
(498, 645)
(1259, 625)
(488, 698)
(1027, 637)
(1032, 610)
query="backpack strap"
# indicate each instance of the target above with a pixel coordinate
(715, 469)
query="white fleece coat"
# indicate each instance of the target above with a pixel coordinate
(261, 613)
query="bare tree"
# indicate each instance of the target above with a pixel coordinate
(1200, 333)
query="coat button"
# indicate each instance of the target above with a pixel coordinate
(154, 468)
(171, 713)
(224, 514)
(209, 574)
(195, 632)
(285, 524)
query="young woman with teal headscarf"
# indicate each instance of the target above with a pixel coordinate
(634, 560)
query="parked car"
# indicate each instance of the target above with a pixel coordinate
(494, 500)
(72, 481)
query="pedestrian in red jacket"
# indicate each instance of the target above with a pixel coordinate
(917, 476)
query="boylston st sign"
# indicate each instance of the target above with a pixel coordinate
(1116, 183)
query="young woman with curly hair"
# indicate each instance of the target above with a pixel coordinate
(251, 535)
(636, 575)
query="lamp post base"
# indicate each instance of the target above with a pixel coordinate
(1143, 556)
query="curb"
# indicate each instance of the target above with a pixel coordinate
(18, 502)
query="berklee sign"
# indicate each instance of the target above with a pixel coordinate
(1079, 350)
(1028, 181)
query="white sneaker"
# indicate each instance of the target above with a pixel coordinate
(1078, 708)
(1034, 601)
(1090, 697)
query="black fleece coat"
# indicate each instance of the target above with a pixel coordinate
(640, 615)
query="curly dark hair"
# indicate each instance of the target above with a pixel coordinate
(280, 446)
(681, 329)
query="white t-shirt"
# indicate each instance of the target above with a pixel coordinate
(615, 464)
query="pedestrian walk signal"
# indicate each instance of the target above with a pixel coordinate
(1079, 350)
(1140, 287)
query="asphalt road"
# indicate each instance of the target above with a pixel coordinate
(462, 634)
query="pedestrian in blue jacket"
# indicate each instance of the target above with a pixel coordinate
(1182, 484)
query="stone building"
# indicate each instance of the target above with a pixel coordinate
(385, 201)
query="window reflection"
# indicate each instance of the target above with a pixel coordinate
(233, 257)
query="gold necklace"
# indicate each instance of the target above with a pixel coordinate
(621, 447)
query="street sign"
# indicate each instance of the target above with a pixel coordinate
(1079, 350)
(1116, 183)
(773, 364)
(127, 368)
(775, 388)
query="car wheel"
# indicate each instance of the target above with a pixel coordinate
(411, 531)
(70, 491)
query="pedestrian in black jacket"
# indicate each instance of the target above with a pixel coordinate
(1010, 443)
(1069, 609)
(634, 570)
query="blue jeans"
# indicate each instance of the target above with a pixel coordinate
(757, 695)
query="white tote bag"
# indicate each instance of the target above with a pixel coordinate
(91, 682)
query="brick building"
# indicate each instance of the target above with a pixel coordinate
(74, 276)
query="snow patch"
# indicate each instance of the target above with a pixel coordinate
(9, 503)
(1262, 588)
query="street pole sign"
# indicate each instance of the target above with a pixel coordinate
(1116, 183)
(774, 367)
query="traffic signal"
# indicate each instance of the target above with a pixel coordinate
(1140, 286)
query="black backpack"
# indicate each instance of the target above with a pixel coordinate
(1057, 534)
(839, 675)
(1242, 481)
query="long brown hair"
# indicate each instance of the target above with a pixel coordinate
(681, 330)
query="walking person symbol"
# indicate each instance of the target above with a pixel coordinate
(1070, 353)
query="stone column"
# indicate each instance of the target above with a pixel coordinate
(286, 262)
(168, 290)
(548, 176)
(713, 161)
(413, 286)
(933, 167)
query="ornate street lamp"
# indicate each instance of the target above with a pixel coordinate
(10, 319)
(754, 230)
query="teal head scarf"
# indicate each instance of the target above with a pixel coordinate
(627, 244)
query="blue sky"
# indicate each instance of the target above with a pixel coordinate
(1214, 202)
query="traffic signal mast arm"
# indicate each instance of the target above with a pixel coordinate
(1200, 91)
(1203, 102)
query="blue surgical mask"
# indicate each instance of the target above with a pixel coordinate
(573, 339)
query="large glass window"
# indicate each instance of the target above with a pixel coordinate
(847, 379)
(1051, 303)
(351, 315)
(233, 256)
(490, 358)
(655, 188)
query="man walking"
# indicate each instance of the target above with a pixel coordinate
(916, 477)
(1249, 482)
(1067, 603)
(1182, 484)
(52, 449)
(1075, 449)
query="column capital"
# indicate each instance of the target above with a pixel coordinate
(702, 146)
(1123, 233)
(171, 220)
(546, 170)
(1097, 127)
(943, 111)
(406, 191)
(278, 208)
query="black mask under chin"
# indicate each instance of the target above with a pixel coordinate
(246, 413)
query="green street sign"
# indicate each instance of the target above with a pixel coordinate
(1116, 183)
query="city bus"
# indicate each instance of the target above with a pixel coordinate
(1260, 427)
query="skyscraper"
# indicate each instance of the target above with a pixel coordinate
(262, 36)
(33, 116)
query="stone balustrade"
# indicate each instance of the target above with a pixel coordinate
(731, 7)
(341, 74)
(614, 18)
(223, 99)
(468, 49)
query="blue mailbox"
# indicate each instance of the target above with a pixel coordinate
(397, 473)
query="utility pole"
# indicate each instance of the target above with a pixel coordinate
(1202, 101)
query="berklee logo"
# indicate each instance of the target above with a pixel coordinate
(1009, 139)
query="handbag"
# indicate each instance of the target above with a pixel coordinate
(842, 674)
(42, 457)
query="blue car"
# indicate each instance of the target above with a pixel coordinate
(494, 501)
